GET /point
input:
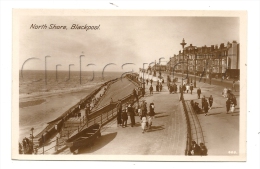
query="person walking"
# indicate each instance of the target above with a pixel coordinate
(119, 112)
(228, 105)
(187, 88)
(151, 81)
(203, 99)
(157, 87)
(143, 122)
(151, 89)
(160, 87)
(206, 107)
(87, 111)
(150, 115)
(233, 86)
(191, 88)
(144, 108)
(199, 92)
(143, 91)
(124, 118)
(132, 114)
(135, 96)
(210, 101)
(232, 108)
(184, 88)
(180, 88)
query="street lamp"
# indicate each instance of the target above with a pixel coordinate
(32, 136)
(182, 44)
(143, 76)
(195, 68)
(57, 71)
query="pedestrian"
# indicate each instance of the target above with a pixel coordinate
(87, 111)
(157, 87)
(191, 88)
(124, 118)
(206, 107)
(203, 99)
(151, 81)
(160, 87)
(131, 113)
(144, 108)
(228, 105)
(210, 101)
(119, 112)
(151, 89)
(150, 115)
(233, 86)
(143, 91)
(199, 92)
(225, 92)
(232, 108)
(143, 122)
(184, 88)
(180, 88)
(187, 88)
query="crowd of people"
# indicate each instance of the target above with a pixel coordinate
(129, 111)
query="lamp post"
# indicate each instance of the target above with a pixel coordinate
(195, 70)
(57, 71)
(143, 77)
(182, 44)
(32, 136)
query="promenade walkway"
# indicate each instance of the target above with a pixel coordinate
(220, 130)
(166, 137)
(168, 133)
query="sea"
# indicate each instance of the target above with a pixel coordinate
(45, 95)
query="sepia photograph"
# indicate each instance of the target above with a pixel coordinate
(129, 85)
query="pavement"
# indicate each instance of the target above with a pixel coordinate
(220, 130)
(167, 135)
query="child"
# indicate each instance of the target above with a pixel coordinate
(143, 120)
(232, 108)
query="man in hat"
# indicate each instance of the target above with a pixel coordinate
(199, 92)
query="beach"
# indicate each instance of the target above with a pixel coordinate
(40, 103)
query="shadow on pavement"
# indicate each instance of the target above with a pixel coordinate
(211, 114)
(155, 128)
(101, 142)
(161, 116)
(215, 108)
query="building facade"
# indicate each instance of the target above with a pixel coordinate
(207, 61)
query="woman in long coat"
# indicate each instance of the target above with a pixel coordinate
(228, 105)
(206, 107)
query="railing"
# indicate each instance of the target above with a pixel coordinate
(188, 140)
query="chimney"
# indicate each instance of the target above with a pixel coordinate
(179, 52)
(216, 46)
(221, 45)
(190, 45)
(212, 48)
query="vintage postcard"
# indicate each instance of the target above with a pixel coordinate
(137, 85)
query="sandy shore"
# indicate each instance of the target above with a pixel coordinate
(37, 109)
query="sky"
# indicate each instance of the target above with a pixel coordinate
(119, 40)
